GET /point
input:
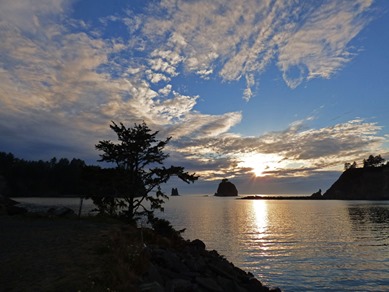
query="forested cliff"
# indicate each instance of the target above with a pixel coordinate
(368, 183)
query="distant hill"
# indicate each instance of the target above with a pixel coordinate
(368, 183)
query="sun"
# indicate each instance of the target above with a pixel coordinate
(260, 163)
(259, 169)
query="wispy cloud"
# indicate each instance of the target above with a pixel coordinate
(300, 150)
(307, 40)
(319, 47)
(30, 16)
(68, 82)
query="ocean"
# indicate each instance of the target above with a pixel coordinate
(293, 245)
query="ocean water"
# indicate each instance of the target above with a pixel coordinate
(293, 245)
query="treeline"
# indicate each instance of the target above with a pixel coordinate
(57, 177)
(371, 161)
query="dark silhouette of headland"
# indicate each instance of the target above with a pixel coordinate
(370, 182)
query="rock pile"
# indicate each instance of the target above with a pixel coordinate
(193, 268)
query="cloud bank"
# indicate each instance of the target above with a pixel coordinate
(63, 79)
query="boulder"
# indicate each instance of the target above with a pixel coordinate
(209, 284)
(188, 266)
(151, 287)
(180, 285)
(197, 244)
(153, 275)
(226, 189)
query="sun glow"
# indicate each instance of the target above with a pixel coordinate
(260, 163)
(260, 212)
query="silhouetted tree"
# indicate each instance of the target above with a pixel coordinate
(348, 165)
(373, 161)
(139, 159)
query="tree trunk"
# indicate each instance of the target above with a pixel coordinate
(131, 209)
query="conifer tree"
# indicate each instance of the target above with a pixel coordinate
(139, 172)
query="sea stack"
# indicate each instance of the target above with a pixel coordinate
(226, 189)
(174, 192)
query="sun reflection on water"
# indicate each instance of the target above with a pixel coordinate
(260, 214)
(257, 241)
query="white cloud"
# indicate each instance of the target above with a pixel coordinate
(68, 84)
(250, 82)
(198, 126)
(156, 77)
(27, 15)
(308, 40)
(166, 90)
(159, 64)
(300, 150)
(79, 82)
(319, 47)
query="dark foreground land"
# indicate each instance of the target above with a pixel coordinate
(49, 254)
(68, 254)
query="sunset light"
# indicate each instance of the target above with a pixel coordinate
(261, 216)
(261, 163)
(246, 89)
(222, 145)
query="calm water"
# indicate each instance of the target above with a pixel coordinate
(294, 245)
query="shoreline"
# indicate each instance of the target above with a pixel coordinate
(257, 197)
(50, 253)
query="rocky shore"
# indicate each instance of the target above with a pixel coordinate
(47, 252)
(193, 268)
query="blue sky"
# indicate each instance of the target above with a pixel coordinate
(274, 95)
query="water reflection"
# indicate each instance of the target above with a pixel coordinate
(369, 214)
(370, 223)
(261, 217)
(295, 245)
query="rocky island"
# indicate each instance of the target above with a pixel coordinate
(226, 189)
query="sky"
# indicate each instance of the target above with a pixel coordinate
(274, 95)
